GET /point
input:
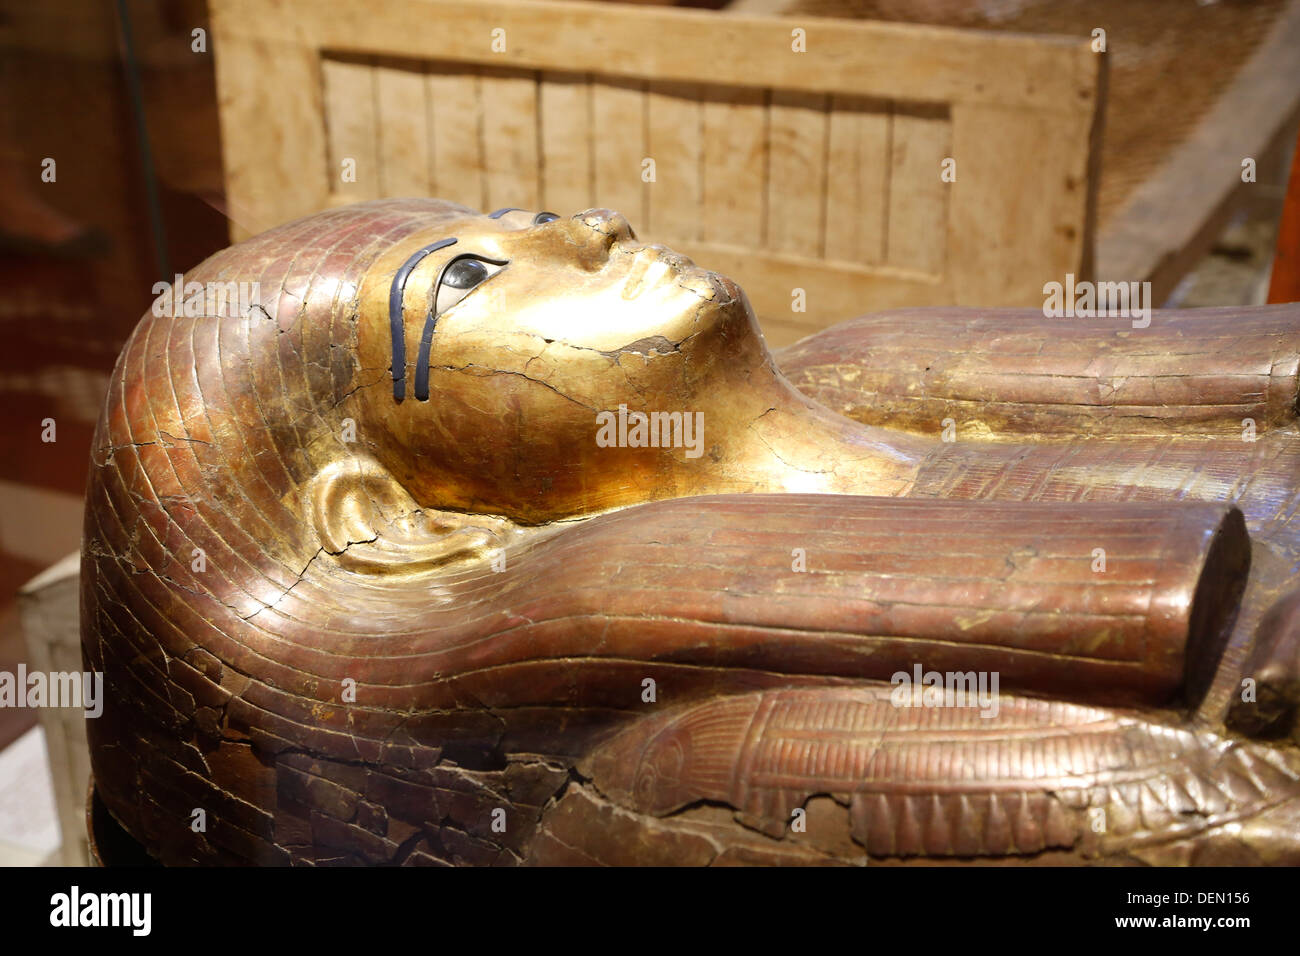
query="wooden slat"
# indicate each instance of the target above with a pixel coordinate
(618, 128)
(676, 133)
(510, 153)
(796, 180)
(867, 58)
(857, 180)
(400, 97)
(918, 197)
(275, 160)
(352, 126)
(735, 165)
(453, 99)
(1017, 214)
(564, 100)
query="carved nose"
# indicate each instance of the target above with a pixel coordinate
(611, 226)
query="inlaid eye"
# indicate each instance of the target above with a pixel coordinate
(460, 278)
(542, 217)
(465, 274)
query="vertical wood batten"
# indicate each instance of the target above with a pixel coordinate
(403, 140)
(618, 134)
(564, 106)
(735, 121)
(857, 180)
(351, 124)
(796, 185)
(457, 144)
(918, 197)
(510, 151)
(675, 121)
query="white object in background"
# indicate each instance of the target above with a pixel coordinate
(29, 820)
(49, 606)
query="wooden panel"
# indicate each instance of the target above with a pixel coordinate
(564, 101)
(676, 133)
(352, 126)
(834, 291)
(1018, 206)
(618, 129)
(510, 155)
(796, 181)
(275, 161)
(918, 198)
(400, 100)
(829, 159)
(862, 57)
(453, 98)
(735, 165)
(857, 180)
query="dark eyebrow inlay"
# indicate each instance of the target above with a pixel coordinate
(395, 324)
(431, 320)
(501, 212)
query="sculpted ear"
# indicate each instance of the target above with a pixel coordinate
(365, 518)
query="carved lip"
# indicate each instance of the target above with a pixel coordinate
(651, 264)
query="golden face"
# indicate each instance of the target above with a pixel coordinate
(584, 281)
(516, 336)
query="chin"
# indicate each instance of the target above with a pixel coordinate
(731, 312)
